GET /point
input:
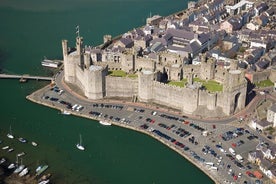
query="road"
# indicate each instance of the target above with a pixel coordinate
(184, 135)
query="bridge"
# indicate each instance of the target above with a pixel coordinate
(25, 76)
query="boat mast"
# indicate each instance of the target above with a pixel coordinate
(80, 140)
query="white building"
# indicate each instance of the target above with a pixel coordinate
(271, 115)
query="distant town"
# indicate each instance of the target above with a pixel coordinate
(202, 81)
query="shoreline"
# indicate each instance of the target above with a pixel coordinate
(198, 165)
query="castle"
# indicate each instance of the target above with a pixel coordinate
(88, 69)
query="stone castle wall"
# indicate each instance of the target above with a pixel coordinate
(121, 86)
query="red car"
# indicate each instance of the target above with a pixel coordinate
(234, 145)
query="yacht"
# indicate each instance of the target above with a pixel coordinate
(2, 160)
(40, 169)
(21, 139)
(64, 112)
(5, 147)
(105, 123)
(19, 169)
(11, 166)
(9, 135)
(10, 150)
(24, 172)
(34, 143)
(44, 181)
(21, 154)
(80, 146)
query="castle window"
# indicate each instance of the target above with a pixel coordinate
(223, 73)
(192, 70)
(165, 59)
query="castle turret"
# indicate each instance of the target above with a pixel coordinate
(207, 68)
(95, 87)
(87, 60)
(69, 64)
(234, 89)
(64, 48)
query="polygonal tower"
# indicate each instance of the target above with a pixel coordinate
(145, 82)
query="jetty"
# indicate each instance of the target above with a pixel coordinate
(25, 77)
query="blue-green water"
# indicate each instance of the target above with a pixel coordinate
(32, 29)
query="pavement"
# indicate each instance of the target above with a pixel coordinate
(133, 119)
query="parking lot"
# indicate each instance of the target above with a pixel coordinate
(200, 141)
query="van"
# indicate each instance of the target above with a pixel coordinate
(209, 163)
(232, 151)
(213, 168)
(239, 158)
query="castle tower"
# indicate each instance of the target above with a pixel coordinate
(107, 38)
(207, 68)
(190, 79)
(95, 82)
(79, 54)
(145, 82)
(87, 61)
(234, 89)
(64, 48)
(69, 64)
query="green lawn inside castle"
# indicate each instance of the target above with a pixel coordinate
(121, 73)
(209, 85)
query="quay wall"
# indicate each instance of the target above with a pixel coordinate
(121, 86)
(35, 97)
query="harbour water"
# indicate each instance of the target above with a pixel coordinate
(33, 29)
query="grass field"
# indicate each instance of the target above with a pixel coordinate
(264, 83)
(120, 73)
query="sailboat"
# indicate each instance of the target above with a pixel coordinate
(9, 135)
(80, 146)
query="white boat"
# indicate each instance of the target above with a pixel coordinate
(5, 147)
(80, 146)
(2, 160)
(40, 169)
(21, 154)
(24, 172)
(10, 150)
(34, 143)
(44, 181)
(105, 123)
(65, 112)
(9, 135)
(50, 63)
(11, 166)
(19, 169)
(21, 139)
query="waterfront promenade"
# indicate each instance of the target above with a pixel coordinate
(131, 119)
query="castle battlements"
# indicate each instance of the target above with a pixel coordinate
(89, 72)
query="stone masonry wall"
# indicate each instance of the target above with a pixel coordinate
(121, 87)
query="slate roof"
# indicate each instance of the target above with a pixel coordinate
(181, 33)
(273, 108)
(263, 64)
(126, 41)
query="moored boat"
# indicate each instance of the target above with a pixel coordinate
(19, 169)
(44, 181)
(50, 63)
(2, 160)
(24, 172)
(9, 135)
(80, 146)
(5, 147)
(65, 112)
(21, 139)
(40, 169)
(11, 166)
(10, 150)
(21, 154)
(105, 123)
(34, 143)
